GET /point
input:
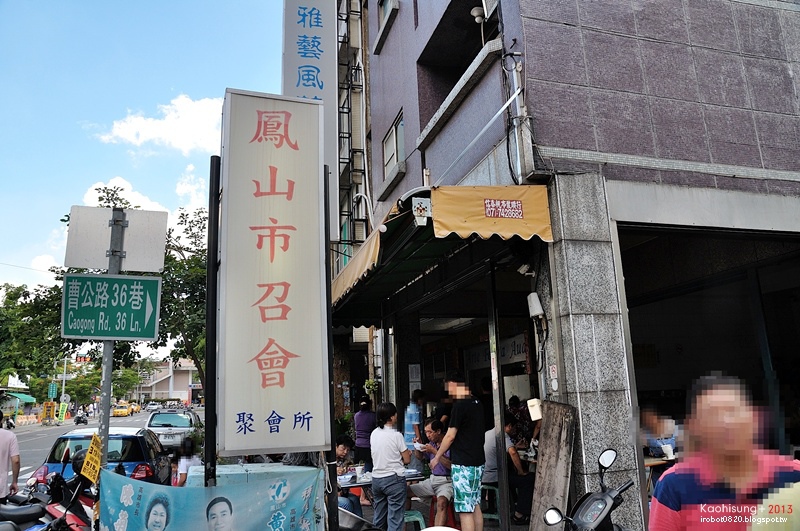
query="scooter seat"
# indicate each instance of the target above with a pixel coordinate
(9, 526)
(21, 515)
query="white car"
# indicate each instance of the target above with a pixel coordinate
(152, 406)
(173, 425)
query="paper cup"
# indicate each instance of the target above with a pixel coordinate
(668, 452)
(535, 409)
(359, 471)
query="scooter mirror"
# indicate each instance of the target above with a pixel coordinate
(553, 516)
(607, 458)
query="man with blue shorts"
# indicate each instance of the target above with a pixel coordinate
(464, 439)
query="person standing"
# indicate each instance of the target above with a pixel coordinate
(187, 460)
(413, 427)
(389, 455)
(464, 439)
(9, 455)
(364, 423)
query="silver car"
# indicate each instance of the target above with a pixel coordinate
(173, 425)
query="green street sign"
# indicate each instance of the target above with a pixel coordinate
(52, 390)
(118, 307)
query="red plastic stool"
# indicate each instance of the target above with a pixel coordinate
(451, 514)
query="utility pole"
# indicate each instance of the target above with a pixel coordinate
(115, 255)
(64, 377)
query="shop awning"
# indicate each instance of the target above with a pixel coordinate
(360, 264)
(22, 396)
(390, 259)
(505, 211)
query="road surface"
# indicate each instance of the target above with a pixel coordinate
(35, 441)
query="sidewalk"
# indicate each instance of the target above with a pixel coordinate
(425, 508)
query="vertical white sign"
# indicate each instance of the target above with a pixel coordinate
(273, 348)
(310, 71)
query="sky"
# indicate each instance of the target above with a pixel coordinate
(128, 94)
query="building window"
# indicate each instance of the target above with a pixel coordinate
(384, 9)
(387, 12)
(393, 146)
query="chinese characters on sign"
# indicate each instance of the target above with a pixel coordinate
(110, 307)
(503, 208)
(273, 329)
(310, 70)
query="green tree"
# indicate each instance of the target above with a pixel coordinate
(183, 291)
(183, 284)
(30, 330)
(30, 319)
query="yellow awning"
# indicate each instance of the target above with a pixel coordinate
(506, 211)
(358, 266)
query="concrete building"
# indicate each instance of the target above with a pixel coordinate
(171, 381)
(667, 135)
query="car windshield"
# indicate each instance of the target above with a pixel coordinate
(170, 420)
(119, 449)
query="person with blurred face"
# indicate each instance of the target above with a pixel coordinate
(219, 514)
(722, 483)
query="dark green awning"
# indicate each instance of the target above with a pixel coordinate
(22, 396)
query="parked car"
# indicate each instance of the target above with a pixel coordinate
(137, 449)
(152, 406)
(121, 410)
(173, 425)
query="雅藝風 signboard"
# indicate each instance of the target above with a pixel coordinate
(310, 71)
(110, 307)
(273, 343)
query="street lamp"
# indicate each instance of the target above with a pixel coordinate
(63, 375)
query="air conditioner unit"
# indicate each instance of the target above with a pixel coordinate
(359, 230)
(361, 334)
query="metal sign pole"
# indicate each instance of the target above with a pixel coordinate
(330, 455)
(212, 285)
(115, 255)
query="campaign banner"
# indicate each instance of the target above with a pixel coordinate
(288, 500)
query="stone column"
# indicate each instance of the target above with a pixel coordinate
(593, 369)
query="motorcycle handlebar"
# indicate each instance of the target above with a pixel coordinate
(624, 487)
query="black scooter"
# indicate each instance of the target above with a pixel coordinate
(81, 418)
(593, 510)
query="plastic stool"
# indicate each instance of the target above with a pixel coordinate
(451, 514)
(492, 489)
(415, 516)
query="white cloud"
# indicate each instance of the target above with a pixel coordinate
(192, 190)
(43, 262)
(184, 124)
(137, 199)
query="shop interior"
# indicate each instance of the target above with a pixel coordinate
(702, 301)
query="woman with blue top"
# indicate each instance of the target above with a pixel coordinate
(389, 457)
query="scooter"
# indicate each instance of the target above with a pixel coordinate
(66, 506)
(10, 423)
(25, 511)
(593, 510)
(81, 418)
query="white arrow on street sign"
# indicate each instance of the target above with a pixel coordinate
(148, 310)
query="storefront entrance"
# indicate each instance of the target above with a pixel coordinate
(700, 301)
